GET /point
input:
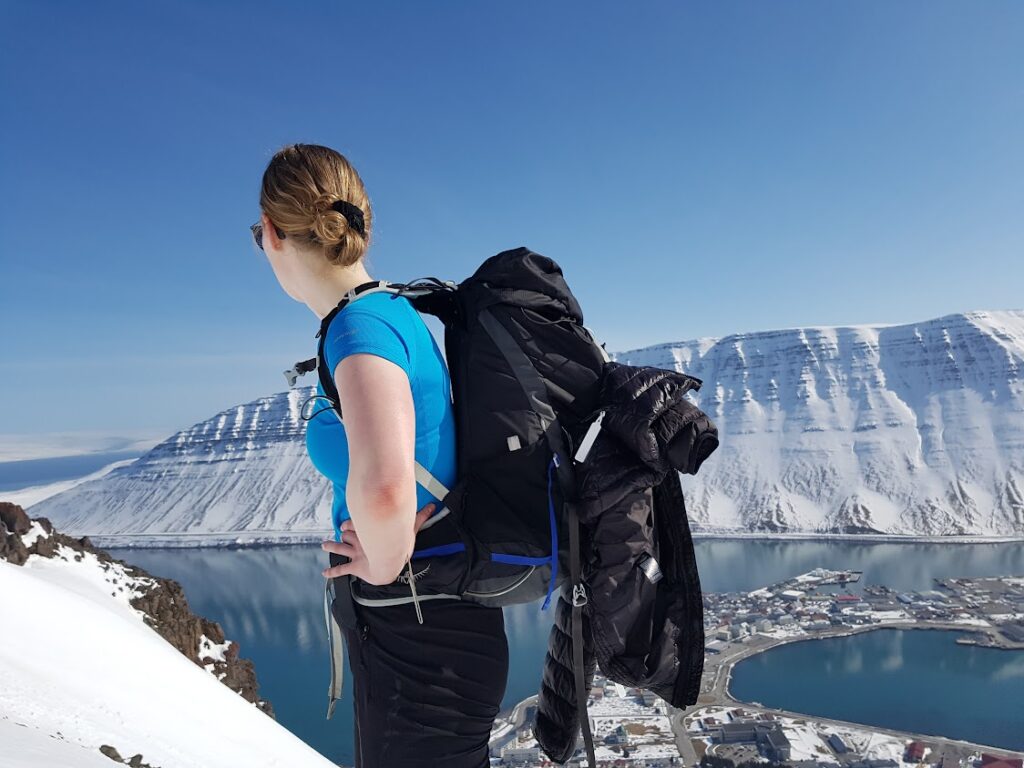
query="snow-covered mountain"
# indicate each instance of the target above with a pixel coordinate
(242, 475)
(913, 429)
(102, 663)
(901, 429)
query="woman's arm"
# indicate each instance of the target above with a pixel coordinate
(380, 424)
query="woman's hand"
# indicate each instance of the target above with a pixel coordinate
(349, 546)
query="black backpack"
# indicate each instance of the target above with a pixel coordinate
(524, 373)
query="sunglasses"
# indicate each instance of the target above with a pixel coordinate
(257, 233)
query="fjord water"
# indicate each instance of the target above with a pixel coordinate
(912, 680)
(270, 600)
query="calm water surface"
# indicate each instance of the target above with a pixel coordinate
(911, 680)
(271, 601)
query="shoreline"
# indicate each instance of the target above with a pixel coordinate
(257, 540)
(895, 538)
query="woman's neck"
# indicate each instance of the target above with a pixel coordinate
(328, 288)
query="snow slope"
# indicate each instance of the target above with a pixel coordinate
(913, 429)
(79, 669)
(25, 746)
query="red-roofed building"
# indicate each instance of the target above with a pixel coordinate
(915, 752)
(989, 760)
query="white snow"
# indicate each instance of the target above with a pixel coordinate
(806, 744)
(77, 673)
(782, 631)
(35, 532)
(896, 614)
(210, 650)
(26, 746)
(107, 585)
(618, 708)
(967, 620)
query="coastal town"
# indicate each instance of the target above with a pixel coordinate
(633, 727)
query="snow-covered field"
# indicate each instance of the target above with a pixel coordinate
(79, 669)
(650, 732)
(784, 631)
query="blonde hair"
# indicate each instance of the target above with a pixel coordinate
(299, 186)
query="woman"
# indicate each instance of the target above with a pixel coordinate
(425, 694)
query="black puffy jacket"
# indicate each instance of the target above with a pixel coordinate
(643, 617)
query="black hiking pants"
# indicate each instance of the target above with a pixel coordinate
(426, 695)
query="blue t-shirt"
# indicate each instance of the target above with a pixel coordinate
(390, 328)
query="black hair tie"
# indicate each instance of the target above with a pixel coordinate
(351, 212)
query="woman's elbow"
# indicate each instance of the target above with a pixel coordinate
(386, 524)
(389, 497)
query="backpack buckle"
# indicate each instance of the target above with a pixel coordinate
(579, 596)
(301, 368)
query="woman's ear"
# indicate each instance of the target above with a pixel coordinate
(284, 265)
(270, 238)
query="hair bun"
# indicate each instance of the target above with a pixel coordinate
(352, 213)
(334, 218)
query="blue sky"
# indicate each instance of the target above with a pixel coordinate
(696, 170)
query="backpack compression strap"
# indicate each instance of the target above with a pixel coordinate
(579, 599)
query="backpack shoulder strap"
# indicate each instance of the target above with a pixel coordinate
(423, 476)
(326, 377)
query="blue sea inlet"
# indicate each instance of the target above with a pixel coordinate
(270, 600)
(913, 680)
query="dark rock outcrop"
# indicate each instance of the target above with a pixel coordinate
(162, 601)
(135, 761)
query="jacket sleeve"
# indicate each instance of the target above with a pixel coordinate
(681, 594)
(557, 724)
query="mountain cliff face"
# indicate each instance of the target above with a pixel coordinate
(900, 429)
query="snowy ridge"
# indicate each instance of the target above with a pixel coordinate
(913, 429)
(86, 680)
